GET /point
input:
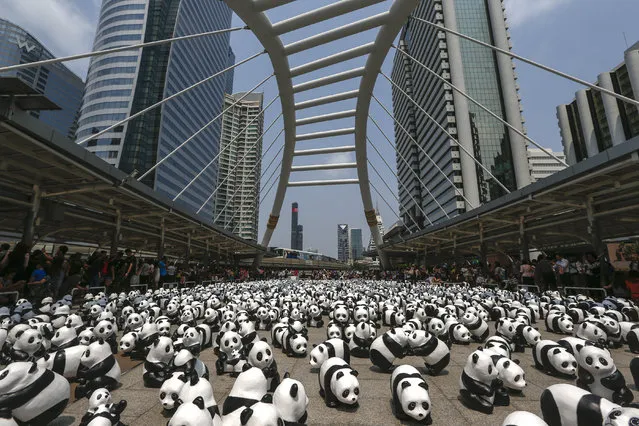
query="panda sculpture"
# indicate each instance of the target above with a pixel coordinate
(98, 369)
(499, 345)
(557, 322)
(128, 342)
(435, 353)
(32, 395)
(260, 355)
(314, 317)
(191, 414)
(290, 401)
(258, 414)
(64, 337)
(566, 405)
(27, 346)
(330, 348)
(334, 331)
(359, 345)
(102, 411)
(64, 362)
(554, 359)
(199, 387)
(294, 344)
(476, 325)
(156, 366)
(338, 383)
(106, 330)
(523, 418)
(170, 390)
(598, 374)
(231, 357)
(593, 331)
(410, 395)
(478, 382)
(387, 347)
(250, 387)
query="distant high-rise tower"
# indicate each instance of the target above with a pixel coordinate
(343, 243)
(486, 76)
(240, 160)
(356, 246)
(371, 243)
(296, 229)
(124, 83)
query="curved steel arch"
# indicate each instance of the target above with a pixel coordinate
(390, 23)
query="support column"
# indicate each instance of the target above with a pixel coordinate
(523, 237)
(483, 252)
(462, 113)
(632, 66)
(115, 239)
(595, 238)
(567, 139)
(587, 126)
(161, 244)
(32, 215)
(188, 247)
(613, 116)
(509, 94)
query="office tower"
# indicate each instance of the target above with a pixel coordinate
(121, 84)
(294, 227)
(300, 237)
(487, 77)
(371, 242)
(343, 244)
(238, 186)
(594, 122)
(55, 81)
(543, 165)
(356, 246)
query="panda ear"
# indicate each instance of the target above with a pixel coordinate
(475, 358)
(246, 367)
(294, 390)
(339, 375)
(33, 369)
(19, 333)
(506, 364)
(354, 373)
(199, 402)
(249, 347)
(556, 351)
(315, 345)
(516, 361)
(405, 384)
(182, 377)
(423, 385)
(287, 375)
(246, 416)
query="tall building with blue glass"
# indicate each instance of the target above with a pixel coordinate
(487, 77)
(55, 81)
(124, 83)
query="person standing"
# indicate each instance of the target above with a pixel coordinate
(527, 272)
(562, 269)
(127, 269)
(145, 272)
(58, 270)
(162, 269)
(544, 274)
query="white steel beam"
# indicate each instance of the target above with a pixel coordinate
(262, 5)
(325, 134)
(322, 14)
(336, 33)
(331, 150)
(327, 99)
(333, 59)
(334, 166)
(325, 117)
(329, 79)
(324, 182)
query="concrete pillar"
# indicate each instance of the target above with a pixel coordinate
(483, 251)
(587, 126)
(567, 139)
(509, 94)
(161, 244)
(32, 215)
(613, 116)
(632, 65)
(462, 113)
(115, 238)
(595, 237)
(523, 236)
(188, 247)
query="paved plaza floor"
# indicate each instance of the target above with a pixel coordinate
(375, 398)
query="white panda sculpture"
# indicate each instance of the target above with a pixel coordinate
(128, 343)
(290, 401)
(338, 383)
(102, 411)
(523, 418)
(231, 357)
(365, 333)
(31, 394)
(170, 390)
(554, 359)
(198, 387)
(192, 414)
(435, 353)
(64, 362)
(563, 404)
(260, 355)
(476, 325)
(477, 384)
(410, 395)
(98, 369)
(329, 349)
(156, 365)
(598, 374)
(258, 414)
(27, 346)
(249, 388)
(387, 347)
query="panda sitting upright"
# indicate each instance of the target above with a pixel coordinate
(478, 382)
(98, 369)
(598, 374)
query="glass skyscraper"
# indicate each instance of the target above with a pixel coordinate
(124, 83)
(488, 78)
(55, 81)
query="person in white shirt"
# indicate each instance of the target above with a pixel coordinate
(562, 269)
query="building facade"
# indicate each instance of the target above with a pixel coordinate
(543, 165)
(356, 245)
(55, 81)
(594, 122)
(240, 165)
(297, 230)
(488, 78)
(123, 83)
(343, 244)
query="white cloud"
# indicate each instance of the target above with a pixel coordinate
(63, 26)
(522, 11)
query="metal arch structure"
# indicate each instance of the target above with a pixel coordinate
(252, 12)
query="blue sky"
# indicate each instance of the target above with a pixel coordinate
(581, 37)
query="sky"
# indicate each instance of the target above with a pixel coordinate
(579, 37)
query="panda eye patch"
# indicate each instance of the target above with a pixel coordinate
(345, 393)
(603, 361)
(517, 377)
(564, 364)
(174, 396)
(412, 406)
(589, 360)
(425, 405)
(4, 374)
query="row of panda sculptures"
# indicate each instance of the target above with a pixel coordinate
(46, 347)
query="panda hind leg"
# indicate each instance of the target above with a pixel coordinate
(475, 403)
(435, 369)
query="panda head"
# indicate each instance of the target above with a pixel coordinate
(228, 315)
(164, 328)
(298, 344)
(187, 316)
(161, 350)
(104, 329)
(230, 341)
(246, 327)
(127, 342)
(60, 316)
(360, 314)
(290, 399)
(480, 367)
(134, 322)
(623, 416)
(29, 341)
(260, 354)
(590, 331)
(461, 333)
(191, 337)
(95, 353)
(399, 335)
(511, 374)
(314, 311)
(415, 400)
(258, 414)
(596, 360)
(63, 335)
(18, 375)
(506, 328)
(497, 347)
(251, 384)
(565, 324)
(75, 321)
(228, 326)
(469, 318)
(99, 397)
(86, 336)
(563, 361)
(531, 335)
(126, 311)
(418, 338)
(191, 414)
(341, 315)
(436, 326)
(333, 332)
(349, 331)
(345, 386)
